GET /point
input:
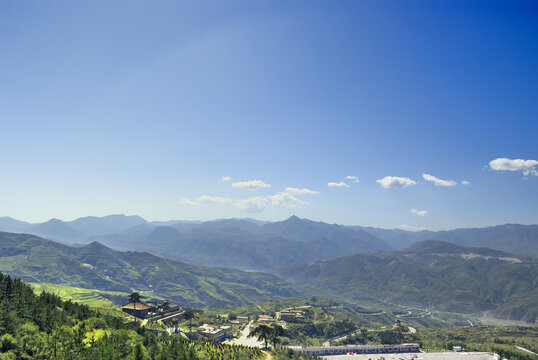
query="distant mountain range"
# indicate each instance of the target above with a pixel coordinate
(430, 274)
(255, 245)
(95, 266)
(433, 274)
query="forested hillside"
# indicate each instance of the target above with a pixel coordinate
(45, 327)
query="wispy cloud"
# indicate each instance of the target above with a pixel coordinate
(287, 200)
(255, 203)
(411, 227)
(352, 178)
(438, 182)
(465, 182)
(528, 167)
(252, 185)
(337, 184)
(418, 212)
(252, 204)
(226, 178)
(303, 191)
(395, 182)
(215, 199)
(186, 201)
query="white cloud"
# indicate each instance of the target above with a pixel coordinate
(352, 178)
(337, 184)
(527, 166)
(465, 182)
(418, 212)
(185, 201)
(256, 203)
(395, 182)
(252, 204)
(411, 227)
(438, 182)
(287, 200)
(215, 199)
(303, 191)
(252, 185)
(226, 178)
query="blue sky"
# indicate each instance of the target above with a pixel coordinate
(143, 107)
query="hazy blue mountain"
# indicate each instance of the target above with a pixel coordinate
(12, 225)
(398, 239)
(248, 245)
(57, 230)
(111, 224)
(76, 231)
(241, 224)
(434, 274)
(130, 239)
(95, 266)
(513, 238)
(254, 245)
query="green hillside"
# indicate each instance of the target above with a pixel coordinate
(91, 297)
(432, 274)
(45, 327)
(95, 266)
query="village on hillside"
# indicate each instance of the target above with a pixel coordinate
(186, 321)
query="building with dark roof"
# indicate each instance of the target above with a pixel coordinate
(137, 309)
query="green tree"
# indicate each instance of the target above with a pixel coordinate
(134, 298)
(276, 332)
(139, 352)
(189, 314)
(262, 333)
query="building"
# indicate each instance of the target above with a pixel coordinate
(172, 318)
(265, 319)
(158, 310)
(167, 306)
(290, 315)
(137, 309)
(359, 349)
(216, 334)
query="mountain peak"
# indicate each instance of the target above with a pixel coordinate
(293, 218)
(54, 221)
(96, 245)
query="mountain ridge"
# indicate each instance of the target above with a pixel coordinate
(462, 279)
(96, 266)
(257, 245)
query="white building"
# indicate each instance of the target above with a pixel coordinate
(359, 349)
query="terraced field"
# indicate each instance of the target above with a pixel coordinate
(90, 297)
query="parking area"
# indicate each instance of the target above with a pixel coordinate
(419, 356)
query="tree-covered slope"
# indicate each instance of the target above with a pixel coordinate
(45, 327)
(434, 274)
(95, 266)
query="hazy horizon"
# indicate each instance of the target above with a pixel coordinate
(401, 227)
